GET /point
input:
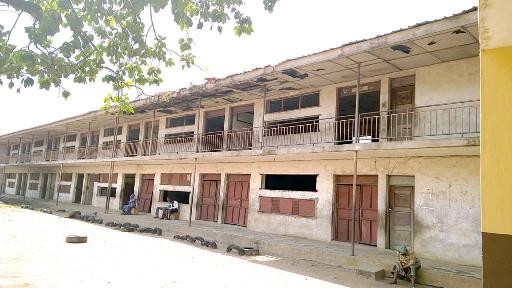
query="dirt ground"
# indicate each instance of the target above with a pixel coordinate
(33, 253)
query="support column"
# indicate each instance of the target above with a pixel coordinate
(193, 186)
(262, 128)
(197, 132)
(151, 133)
(87, 142)
(223, 181)
(19, 152)
(57, 183)
(114, 154)
(384, 108)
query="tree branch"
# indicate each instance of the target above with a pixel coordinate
(25, 6)
(12, 28)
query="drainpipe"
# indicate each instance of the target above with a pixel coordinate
(58, 183)
(114, 154)
(354, 176)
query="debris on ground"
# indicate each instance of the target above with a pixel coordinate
(243, 251)
(27, 206)
(45, 210)
(74, 215)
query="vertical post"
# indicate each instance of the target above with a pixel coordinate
(64, 144)
(46, 146)
(87, 141)
(58, 183)
(354, 176)
(19, 152)
(114, 154)
(26, 183)
(197, 125)
(262, 132)
(191, 202)
(8, 151)
(31, 148)
(151, 133)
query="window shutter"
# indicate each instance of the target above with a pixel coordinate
(265, 204)
(285, 206)
(307, 208)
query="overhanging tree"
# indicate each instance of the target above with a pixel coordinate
(115, 41)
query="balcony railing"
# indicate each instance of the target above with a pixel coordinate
(448, 121)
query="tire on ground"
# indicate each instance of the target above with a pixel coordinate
(76, 239)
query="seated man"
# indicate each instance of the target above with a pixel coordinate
(406, 266)
(164, 210)
(173, 208)
(127, 208)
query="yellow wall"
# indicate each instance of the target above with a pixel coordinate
(496, 141)
(496, 115)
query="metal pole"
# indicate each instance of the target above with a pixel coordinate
(354, 176)
(151, 133)
(58, 183)
(114, 153)
(262, 132)
(192, 193)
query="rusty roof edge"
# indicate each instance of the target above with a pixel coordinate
(423, 28)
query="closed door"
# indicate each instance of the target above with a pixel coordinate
(146, 193)
(366, 214)
(210, 192)
(343, 229)
(400, 216)
(237, 200)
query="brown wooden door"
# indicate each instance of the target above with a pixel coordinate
(237, 200)
(368, 214)
(146, 193)
(366, 210)
(210, 193)
(344, 214)
(400, 216)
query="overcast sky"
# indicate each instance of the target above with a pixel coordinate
(295, 28)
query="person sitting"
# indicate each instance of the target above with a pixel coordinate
(127, 208)
(170, 204)
(173, 208)
(406, 266)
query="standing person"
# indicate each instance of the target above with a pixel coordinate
(127, 208)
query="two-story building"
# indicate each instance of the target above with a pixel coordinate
(273, 149)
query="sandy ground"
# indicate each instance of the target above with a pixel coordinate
(33, 253)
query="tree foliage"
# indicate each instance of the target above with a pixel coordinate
(115, 41)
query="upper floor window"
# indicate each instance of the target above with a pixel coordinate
(110, 131)
(38, 143)
(180, 121)
(70, 138)
(293, 103)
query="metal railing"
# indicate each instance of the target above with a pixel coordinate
(453, 120)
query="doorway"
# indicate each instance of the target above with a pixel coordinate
(148, 135)
(132, 140)
(208, 202)
(213, 136)
(237, 200)
(89, 188)
(402, 108)
(128, 190)
(78, 188)
(146, 193)
(369, 106)
(44, 186)
(240, 135)
(401, 211)
(366, 210)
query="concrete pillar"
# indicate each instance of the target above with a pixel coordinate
(84, 189)
(223, 184)
(382, 203)
(197, 192)
(384, 107)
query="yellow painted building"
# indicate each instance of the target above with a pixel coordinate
(496, 152)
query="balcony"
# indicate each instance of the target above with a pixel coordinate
(448, 121)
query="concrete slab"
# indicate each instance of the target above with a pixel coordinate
(371, 272)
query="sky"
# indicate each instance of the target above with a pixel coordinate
(294, 29)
